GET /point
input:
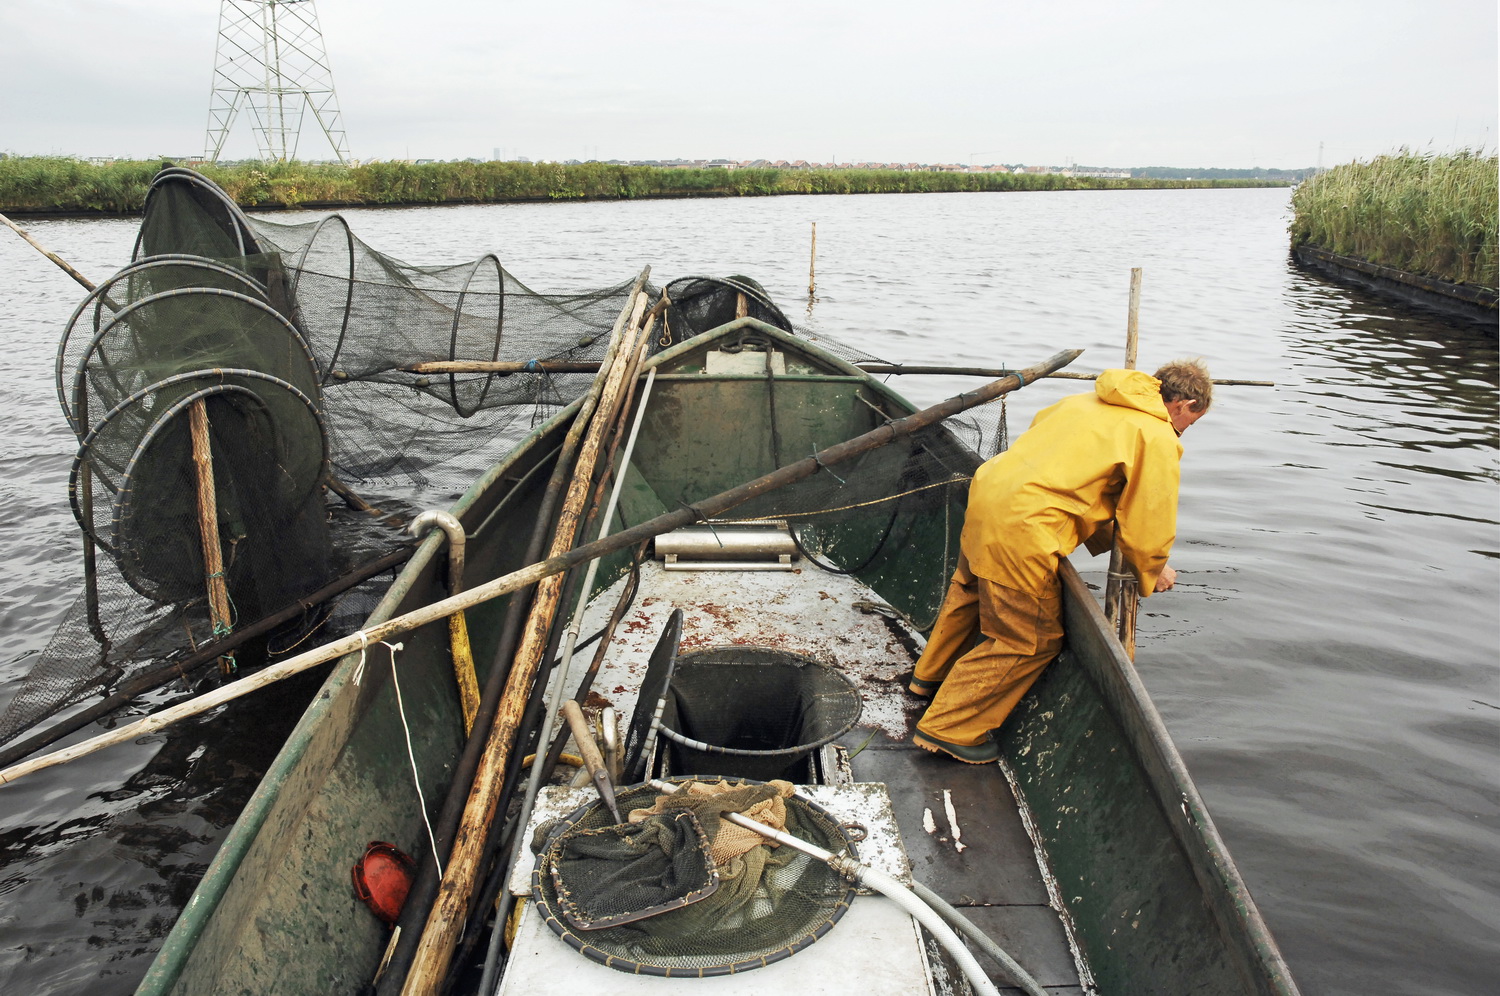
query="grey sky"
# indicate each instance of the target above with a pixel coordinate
(1168, 82)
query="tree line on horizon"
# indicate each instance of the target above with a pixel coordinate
(61, 185)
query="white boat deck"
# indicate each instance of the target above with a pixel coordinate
(803, 611)
(956, 826)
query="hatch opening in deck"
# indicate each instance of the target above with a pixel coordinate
(754, 712)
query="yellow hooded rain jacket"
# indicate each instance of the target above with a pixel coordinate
(1086, 460)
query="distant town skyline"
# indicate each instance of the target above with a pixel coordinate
(1168, 83)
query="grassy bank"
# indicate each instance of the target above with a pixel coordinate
(67, 185)
(1435, 215)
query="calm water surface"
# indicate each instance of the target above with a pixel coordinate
(1327, 663)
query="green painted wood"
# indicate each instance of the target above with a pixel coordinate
(1159, 907)
(276, 912)
(1155, 903)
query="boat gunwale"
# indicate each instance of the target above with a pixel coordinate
(1125, 696)
(1120, 686)
(195, 917)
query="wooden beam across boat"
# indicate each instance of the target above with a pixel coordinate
(870, 367)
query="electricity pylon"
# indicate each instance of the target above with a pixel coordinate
(271, 59)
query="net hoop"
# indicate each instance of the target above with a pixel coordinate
(544, 898)
(222, 377)
(80, 376)
(100, 294)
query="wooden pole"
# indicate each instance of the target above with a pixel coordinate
(430, 965)
(424, 890)
(46, 252)
(1121, 593)
(592, 366)
(90, 555)
(812, 267)
(504, 366)
(882, 435)
(208, 528)
(954, 371)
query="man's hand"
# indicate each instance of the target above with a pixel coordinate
(1165, 580)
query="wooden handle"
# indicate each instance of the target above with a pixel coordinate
(587, 748)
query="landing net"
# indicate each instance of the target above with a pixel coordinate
(771, 901)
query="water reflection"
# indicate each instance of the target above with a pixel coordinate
(1381, 374)
(1326, 664)
(101, 876)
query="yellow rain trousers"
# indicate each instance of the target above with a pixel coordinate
(1087, 460)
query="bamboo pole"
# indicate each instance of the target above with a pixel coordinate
(562, 671)
(1121, 593)
(832, 456)
(592, 366)
(208, 528)
(430, 964)
(419, 900)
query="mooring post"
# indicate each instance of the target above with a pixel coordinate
(812, 267)
(1121, 596)
(208, 528)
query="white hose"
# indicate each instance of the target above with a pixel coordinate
(882, 883)
(897, 893)
(986, 944)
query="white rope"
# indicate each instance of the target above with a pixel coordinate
(359, 669)
(411, 756)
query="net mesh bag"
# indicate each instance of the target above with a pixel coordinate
(623, 873)
(754, 711)
(296, 344)
(771, 901)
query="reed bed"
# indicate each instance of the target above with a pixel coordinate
(1431, 214)
(59, 185)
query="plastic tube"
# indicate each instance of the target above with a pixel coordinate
(963, 925)
(886, 885)
(935, 924)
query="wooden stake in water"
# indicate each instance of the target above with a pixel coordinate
(1121, 595)
(208, 527)
(812, 267)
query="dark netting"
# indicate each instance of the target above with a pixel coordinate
(771, 900)
(754, 712)
(703, 303)
(293, 345)
(302, 349)
(627, 872)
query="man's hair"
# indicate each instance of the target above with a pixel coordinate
(1186, 379)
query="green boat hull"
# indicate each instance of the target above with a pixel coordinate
(1138, 871)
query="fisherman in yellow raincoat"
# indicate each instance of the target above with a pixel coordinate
(1092, 468)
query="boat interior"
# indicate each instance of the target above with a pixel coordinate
(955, 827)
(1106, 875)
(748, 594)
